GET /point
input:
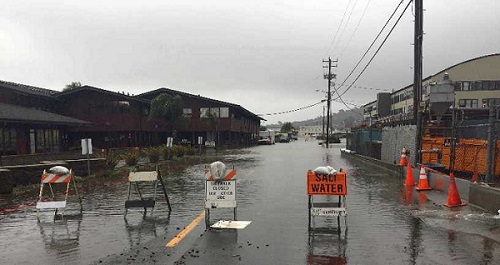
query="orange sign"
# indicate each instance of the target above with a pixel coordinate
(326, 184)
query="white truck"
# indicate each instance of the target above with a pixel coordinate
(267, 137)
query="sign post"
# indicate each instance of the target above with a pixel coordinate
(327, 185)
(200, 142)
(87, 150)
(170, 141)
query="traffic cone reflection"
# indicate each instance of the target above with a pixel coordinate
(453, 196)
(409, 195)
(423, 183)
(409, 181)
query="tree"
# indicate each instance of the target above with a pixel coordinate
(73, 85)
(286, 127)
(212, 119)
(168, 108)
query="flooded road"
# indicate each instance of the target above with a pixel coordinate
(386, 224)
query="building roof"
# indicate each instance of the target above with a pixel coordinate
(171, 91)
(32, 90)
(19, 114)
(447, 69)
(100, 90)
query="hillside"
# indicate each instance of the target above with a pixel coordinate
(340, 120)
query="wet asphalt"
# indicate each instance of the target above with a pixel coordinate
(385, 223)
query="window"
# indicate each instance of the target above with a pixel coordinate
(486, 102)
(122, 106)
(465, 86)
(468, 103)
(187, 112)
(224, 112)
(204, 112)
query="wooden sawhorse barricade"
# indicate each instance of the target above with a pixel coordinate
(142, 178)
(220, 194)
(326, 185)
(51, 179)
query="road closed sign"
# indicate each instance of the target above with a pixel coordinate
(319, 184)
(220, 194)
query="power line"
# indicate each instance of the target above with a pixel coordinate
(336, 32)
(376, 52)
(345, 25)
(355, 29)
(373, 42)
(293, 110)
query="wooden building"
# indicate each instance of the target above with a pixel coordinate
(38, 120)
(29, 122)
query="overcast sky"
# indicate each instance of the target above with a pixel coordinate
(263, 55)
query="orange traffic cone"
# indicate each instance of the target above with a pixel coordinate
(403, 160)
(409, 181)
(423, 184)
(453, 196)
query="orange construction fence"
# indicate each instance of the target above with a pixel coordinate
(470, 154)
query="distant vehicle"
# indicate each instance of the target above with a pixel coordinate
(283, 137)
(265, 141)
(268, 134)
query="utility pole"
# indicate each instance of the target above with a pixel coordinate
(329, 76)
(417, 76)
(323, 124)
(490, 162)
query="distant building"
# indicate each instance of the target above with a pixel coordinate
(310, 131)
(476, 81)
(38, 120)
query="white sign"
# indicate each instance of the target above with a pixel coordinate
(220, 194)
(210, 143)
(338, 211)
(86, 146)
(170, 140)
(200, 140)
(231, 224)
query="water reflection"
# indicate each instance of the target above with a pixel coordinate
(63, 236)
(327, 244)
(143, 230)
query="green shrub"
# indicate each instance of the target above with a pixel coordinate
(153, 153)
(178, 150)
(130, 158)
(190, 151)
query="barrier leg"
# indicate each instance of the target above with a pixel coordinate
(235, 213)
(164, 190)
(207, 217)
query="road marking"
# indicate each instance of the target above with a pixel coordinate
(178, 238)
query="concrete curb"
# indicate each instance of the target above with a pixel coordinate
(479, 195)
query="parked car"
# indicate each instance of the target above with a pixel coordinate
(265, 141)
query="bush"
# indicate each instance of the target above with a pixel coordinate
(130, 158)
(190, 151)
(153, 153)
(178, 150)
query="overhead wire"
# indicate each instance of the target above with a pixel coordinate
(373, 42)
(293, 110)
(345, 24)
(376, 52)
(338, 29)
(339, 96)
(355, 29)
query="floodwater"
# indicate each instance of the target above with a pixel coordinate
(385, 224)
